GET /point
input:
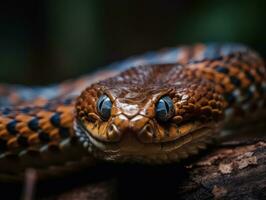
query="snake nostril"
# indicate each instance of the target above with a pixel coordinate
(146, 134)
(113, 134)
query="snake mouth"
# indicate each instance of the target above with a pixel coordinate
(132, 150)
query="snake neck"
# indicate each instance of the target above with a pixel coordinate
(240, 78)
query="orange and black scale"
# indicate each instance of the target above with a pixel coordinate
(238, 74)
(34, 126)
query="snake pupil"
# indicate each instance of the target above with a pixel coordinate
(104, 106)
(164, 109)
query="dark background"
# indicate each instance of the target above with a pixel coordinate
(45, 41)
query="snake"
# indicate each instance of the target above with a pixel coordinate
(156, 108)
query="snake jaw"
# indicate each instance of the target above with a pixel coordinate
(193, 136)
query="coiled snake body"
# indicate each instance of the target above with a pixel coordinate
(156, 108)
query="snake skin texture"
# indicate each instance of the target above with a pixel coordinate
(59, 125)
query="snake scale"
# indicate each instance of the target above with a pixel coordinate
(158, 107)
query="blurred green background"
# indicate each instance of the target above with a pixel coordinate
(46, 41)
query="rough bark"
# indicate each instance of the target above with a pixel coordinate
(230, 172)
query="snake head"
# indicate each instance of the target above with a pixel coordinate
(146, 115)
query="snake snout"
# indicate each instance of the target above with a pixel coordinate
(136, 127)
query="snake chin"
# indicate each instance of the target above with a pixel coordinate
(133, 151)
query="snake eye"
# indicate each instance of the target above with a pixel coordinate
(164, 109)
(104, 106)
